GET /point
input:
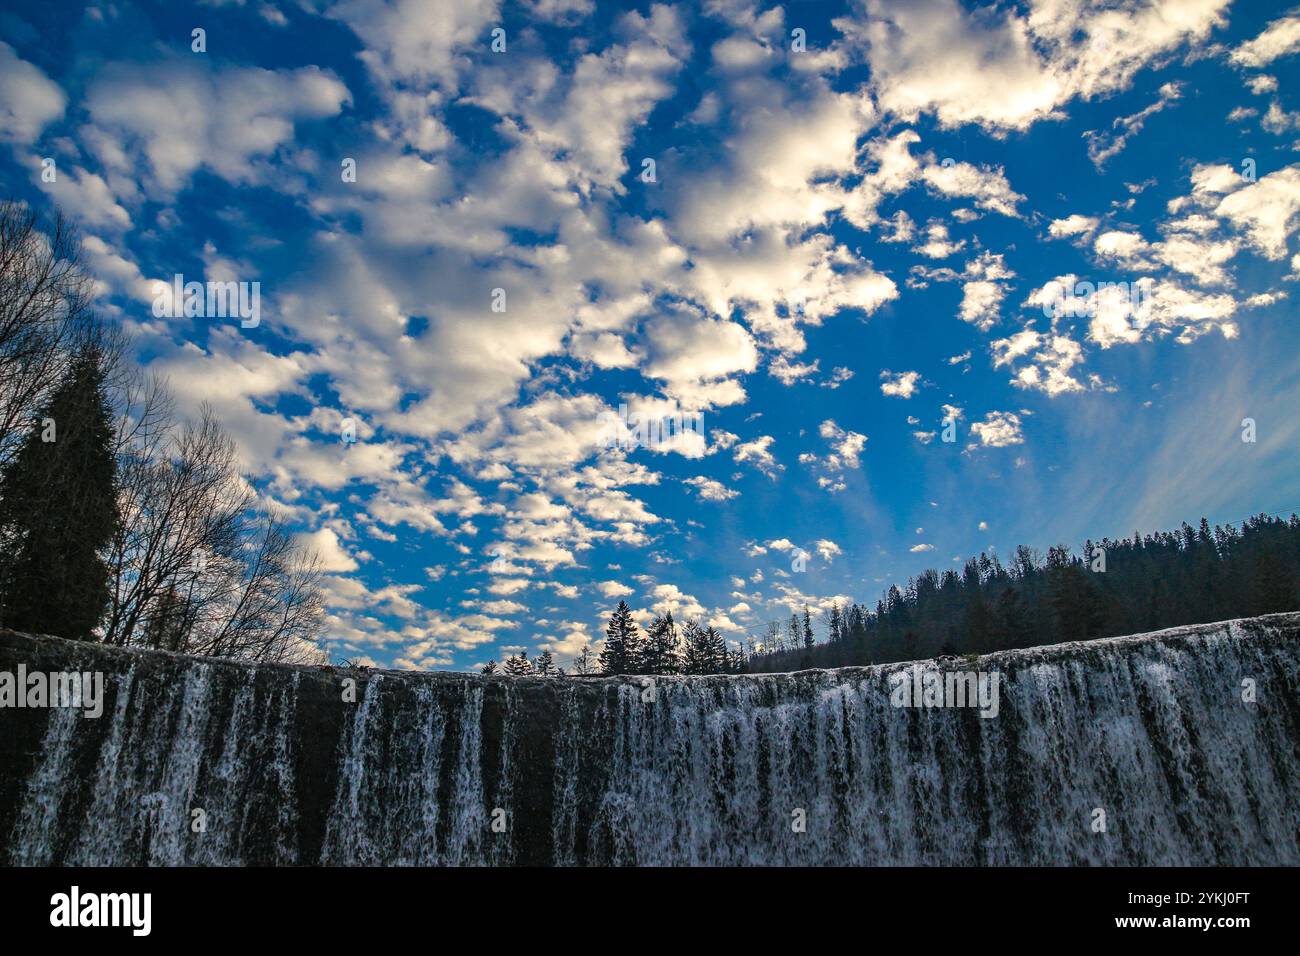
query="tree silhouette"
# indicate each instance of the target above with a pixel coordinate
(58, 510)
(622, 651)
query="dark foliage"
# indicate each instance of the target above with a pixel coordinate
(58, 510)
(1143, 583)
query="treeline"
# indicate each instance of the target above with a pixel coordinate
(119, 521)
(518, 665)
(1144, 583)
(1115, 587)
(663, 649)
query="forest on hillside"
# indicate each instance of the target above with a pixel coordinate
(1143, 583)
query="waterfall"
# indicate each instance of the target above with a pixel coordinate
(1180, 747)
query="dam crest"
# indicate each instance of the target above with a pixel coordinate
(1179, 747)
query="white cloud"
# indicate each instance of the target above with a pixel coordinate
(986, 185)
(710, 490)
(787, 372)
(1006, 69)
(984, 290)
(900, 384)
(1267, 211)
(1051, 363)
(846, 446)
(1262, 83)
(29, 100)
(404, 44)
(998, 429)
(685, 349)
(1280, 38)
(1073, 225)
(669, 598)
(173, 118)
(1103, 147)
(938, 245)
(613, 589)
(827, 549)
(758, 453)
(325, 544)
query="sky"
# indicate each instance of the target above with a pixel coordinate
(934, 279)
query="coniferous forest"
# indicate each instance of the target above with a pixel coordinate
(1143, 583)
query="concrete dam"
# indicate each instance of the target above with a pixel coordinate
(1180, 747)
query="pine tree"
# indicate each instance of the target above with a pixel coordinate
(489, 668)
(837, 622)
(58, 510)
(518, 665)
(980, 624)
(854, 631)
(1013, 623)
(1072, 596)
(622, 651)
(544, 666)
(696, 656)
(808, 640)
(1272, 589)
(661, 651)
(716, 651)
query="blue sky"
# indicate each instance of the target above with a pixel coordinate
(843, 245)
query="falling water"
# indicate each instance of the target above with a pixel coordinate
(1180, 747)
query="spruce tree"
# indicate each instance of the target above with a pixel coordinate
(854, 632)
(837, 622)
(58, 510)
(622, 651)
(1072, 596)
(695, 656)
(518, 665)
(661, 654)
(489, 668)
(715, 651)
(1013, 622)
(544, 666)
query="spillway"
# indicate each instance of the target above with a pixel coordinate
(1180, 747)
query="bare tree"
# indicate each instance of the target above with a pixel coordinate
(197, 567)
(772, 640)
(180, 497)
(273, 609)
(45, 299)
(585, 661)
